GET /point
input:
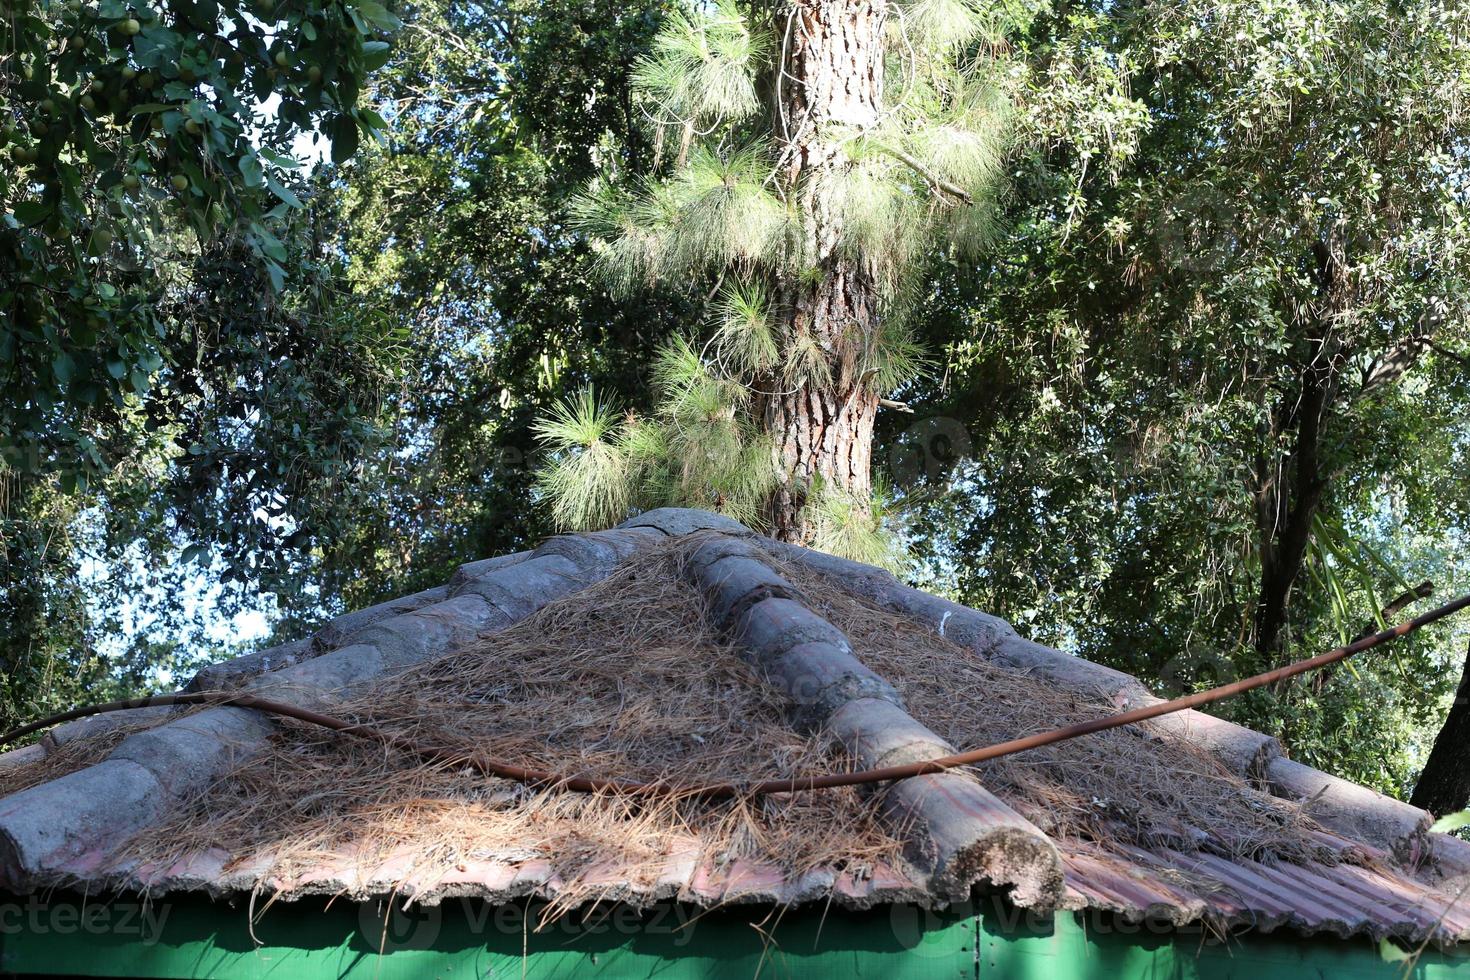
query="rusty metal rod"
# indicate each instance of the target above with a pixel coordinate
(724, 790)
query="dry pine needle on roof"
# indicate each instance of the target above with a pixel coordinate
(628, 677)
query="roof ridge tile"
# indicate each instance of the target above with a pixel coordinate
(958, 834)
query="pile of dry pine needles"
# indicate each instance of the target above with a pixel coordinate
(629, 678)
(1133, 785)
(626, 677)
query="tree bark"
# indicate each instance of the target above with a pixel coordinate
(1389, 613)
(1287, 504)
(1288, 499)
(1444, 785)
(821, 422)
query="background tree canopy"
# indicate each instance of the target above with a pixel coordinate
(1198, 407)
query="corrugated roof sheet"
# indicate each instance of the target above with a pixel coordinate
(1395, 878)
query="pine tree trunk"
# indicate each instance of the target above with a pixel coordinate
(1444, 785)
(821, 423)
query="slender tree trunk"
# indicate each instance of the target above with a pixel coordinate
(1444, 785)
(1288, 497)
(821, 423)
(1287, 504)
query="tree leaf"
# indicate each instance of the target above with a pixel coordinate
(250, 171)
(1451, 821)
(375, 54)
(344, 135)
(377, 15)
(32, 212)
(282, 191)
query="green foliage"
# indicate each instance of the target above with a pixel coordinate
(1227, 208)
(701, 71)
(244, 459)
(716, 212)
(127, 128)
(588, 483)
(502, 313)
(946, 25)
(755, 205)
(187, 392)
(745, 333)
(937, 149)
(43, 602)
(855, 527)
(697, 450)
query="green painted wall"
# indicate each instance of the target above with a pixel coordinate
(313, 938)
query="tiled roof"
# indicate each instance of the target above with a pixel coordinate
(1402, 881)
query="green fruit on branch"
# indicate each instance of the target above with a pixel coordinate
(192, 128)
(131, 182)
(282, 59)
(130, 26)
(314, 73)
(179, 182)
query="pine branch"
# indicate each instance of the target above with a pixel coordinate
(1397, 605)
(1444, 351)
(932, 179)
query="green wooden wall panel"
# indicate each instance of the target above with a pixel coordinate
(1075, 947)
(312, 938)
